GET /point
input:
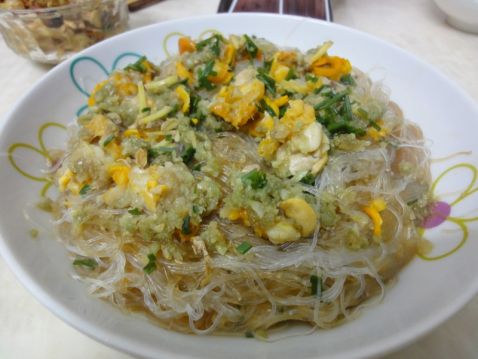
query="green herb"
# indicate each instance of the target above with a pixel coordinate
(186, 226)
(203, 75)
(108, 140)
(324, 90)
(188, 155)
(374, 125)
(251, 47)
(347, 80)
(197, 167)
(311, 78)
(291, 75)
(309, 179)
(146, 109)
(256, 179)
(213, 43)
(362, 113)
(265, 107)
(84, 190)
(166, 110)
(268, 81)
(138, 65)
(175, 109)
(196, 209)
(249, 334)
(348, 109)
(331, 101)
(134, 211)
(151, 266)
(168, 138)
(85, 262)
(244, 247)
(156, 151)
(194, 102)
(266, 66)
(283, 110)
(343, 127)
(316, 285)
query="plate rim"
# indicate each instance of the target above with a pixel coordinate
(120, 342)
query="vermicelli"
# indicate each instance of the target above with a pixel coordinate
(238, 187)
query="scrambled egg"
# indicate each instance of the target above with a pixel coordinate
(296, 144)
(237, 103)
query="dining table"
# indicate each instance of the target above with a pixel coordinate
(29, 330)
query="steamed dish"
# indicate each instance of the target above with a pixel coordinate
(238, 187)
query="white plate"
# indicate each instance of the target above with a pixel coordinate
(427, 292)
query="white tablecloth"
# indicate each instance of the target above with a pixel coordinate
(27, 330)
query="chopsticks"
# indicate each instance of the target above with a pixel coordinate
(320, 9)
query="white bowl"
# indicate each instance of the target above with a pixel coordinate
(426, 293)
(462, 14)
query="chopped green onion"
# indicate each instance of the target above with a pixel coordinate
(84, 190)
(266, 67)
(156, 116)
(268, 81)
(212, 42)
(344, 127)
(244, 247)
(265, 107)
(282, 110)
(324, 90)
(251, 47)
(347, 80)
(164, 149)
(146, 109)
(141, 96)
(256, 179)
(134, 211)
(291, 75)
(196, 209)
(309, 179)
(311, 78)
(169, 138)
(151, 266)
(316, 285)
(108, 140)
(204, 73)
(85, 262)
(186, 227)
(348, 109)
(362, 113)
(331, 101)
(188, 155)
(197, 167)
(157, 86)
(374, 125)
(156, 151)
(194, 102)
(138, 65)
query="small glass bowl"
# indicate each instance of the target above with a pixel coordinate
(50, 35)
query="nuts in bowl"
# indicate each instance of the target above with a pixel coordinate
(50, 31)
